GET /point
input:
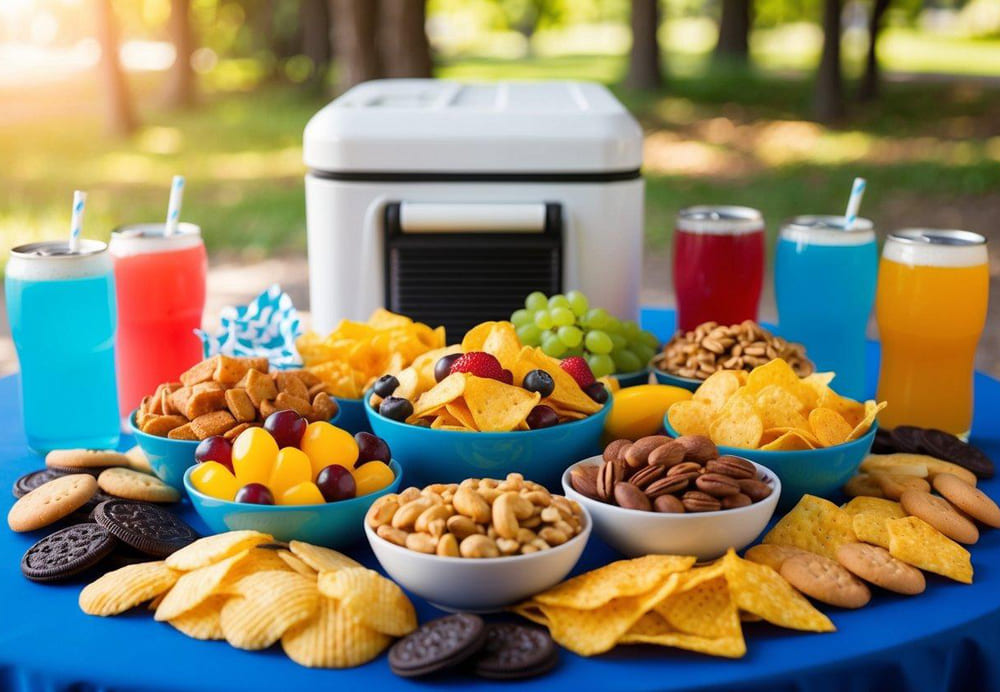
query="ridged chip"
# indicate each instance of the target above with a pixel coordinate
(816, 525)
(212, 549)
(193, 588)
(332, 639)
(371, 599)
(622, 578)
(269, 604)
(296, 564)
(202, 621)
(256, 560)
(917, 543)
(319, 558)
(125, 588)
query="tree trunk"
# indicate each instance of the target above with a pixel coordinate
(829, 96)
(734, 32)
(869, 87)
(403, 38)
(181, 79)
(354, 23)
(121, 119)
(314, 19)
(644, 60)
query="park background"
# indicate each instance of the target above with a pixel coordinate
(775, 104)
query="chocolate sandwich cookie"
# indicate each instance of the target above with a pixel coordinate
(29, 481)
(907, 438)
(145, 527)
(948, 447)
(514, 651)
(883, 444)
(438, 645)
(67, 552)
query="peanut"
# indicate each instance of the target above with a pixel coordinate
(478, 546)
(392, 535)
(447, 546)
(421, 542)
(406, 515)
(382, 511)
(471, 504)
(505, 515)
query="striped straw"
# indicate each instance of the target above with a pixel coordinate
(854, 203)
(174, 208)
(76, 225)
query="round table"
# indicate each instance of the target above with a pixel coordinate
(945, 639)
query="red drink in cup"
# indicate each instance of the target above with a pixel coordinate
(160, 283)
(718, 264)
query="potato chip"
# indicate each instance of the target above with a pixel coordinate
(332, 639)
(256, 560)
(812, 387)
(211, 549)
(371, 599)
(775, 372)
(202, 621)
(717, 388)
(496, 406)
(296, 564)
(690, 417)
(828, 426)
(319, 558)
(425, 362)
(193, 588)
(917, 543)
(125, 588)
(268, 605)
(814, 524)
(409, 383)
(622, 578)
(447, 390)
(779, 408)
(737, 425)
(476, 337)
(772, 434)
(864, 425)
(790, 441)
(933, 466)
(760, 590)
(503, 343)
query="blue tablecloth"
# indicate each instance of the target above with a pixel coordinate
(945, 639)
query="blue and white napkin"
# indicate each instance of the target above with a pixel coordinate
(266, 327)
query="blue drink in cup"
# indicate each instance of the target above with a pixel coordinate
(61, 307)
(824, 280)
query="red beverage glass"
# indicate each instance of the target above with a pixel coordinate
(160, 285)
(718, 264)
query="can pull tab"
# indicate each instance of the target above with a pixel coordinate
(442, 217)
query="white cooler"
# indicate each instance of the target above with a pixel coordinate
(451, 202)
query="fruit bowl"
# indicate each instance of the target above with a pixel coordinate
(478, 584)
(688, 383)
(706, 535)
(332, 524)
(450, 456)
(819, 471)
(168, 458)
(351, 415)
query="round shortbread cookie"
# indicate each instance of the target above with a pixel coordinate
(825, 580)
(874, 564)
(940, 514)
(138, 460)
(50, 502)
(969, 499)
(134, 485)
(84, 458)
(772, 555)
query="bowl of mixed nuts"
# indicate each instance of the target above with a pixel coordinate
(673, 496)
(691, 356)
(479, 545)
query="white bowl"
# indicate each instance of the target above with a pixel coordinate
(706, 535)
(479, 584)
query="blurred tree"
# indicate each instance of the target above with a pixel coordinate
(644, 70)
(354, 25)
(121, 119)
(828, 96)
(403, 38)
(869, 87)
(314, 20)
(181, 79)
(734, 32)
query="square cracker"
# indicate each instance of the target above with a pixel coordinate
(816, 525)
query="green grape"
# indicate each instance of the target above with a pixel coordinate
(626, 361)
(619, 342)
(562, 317)
(598, 342)
(552, 346)
(521, 317)
(529, 334)
(601, 365)
(596, 318)
(644, 352)
(571, 336)
(543, 320)
(578, 303)
(536, 301)
(631, 330)
(613, 325)
(647, 338)
(575, 351)
(558, 301)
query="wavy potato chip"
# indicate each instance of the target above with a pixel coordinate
(332, 639)
(125, 588)
(814, 524)
(371, 599)
(268, 604)
(194, 588)
(476, 337)
(212, 549)
(917, 543)
(319, 558)
(202, 621)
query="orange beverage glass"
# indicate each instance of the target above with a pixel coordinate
(933, 288)
(160, 284)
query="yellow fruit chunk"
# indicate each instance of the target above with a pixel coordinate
(326, 444)
(215, 480)
(372, 476)
(291, 467)
(638, 411)
(302, 494)
(254, 453)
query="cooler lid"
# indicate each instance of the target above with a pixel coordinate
(438, 126)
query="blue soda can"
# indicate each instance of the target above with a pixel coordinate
(61, 307)
(824, 281)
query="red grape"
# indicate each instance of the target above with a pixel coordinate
(255, 494)
(542, 417)
(286, 427)
(215, 448)
(371, 448)
(336, 483)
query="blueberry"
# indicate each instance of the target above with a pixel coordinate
(443, 367)
(597, 391)
(396, 408)
(386, 385)
(539, 381)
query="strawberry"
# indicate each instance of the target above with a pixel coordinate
(508, 377)
(480, 364)
(580, 371)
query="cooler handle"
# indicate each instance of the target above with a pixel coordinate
(438, 217)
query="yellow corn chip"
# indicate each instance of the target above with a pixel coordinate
(476, 337)
(916, 542)
(622, 578)
(269, 604)
(503, 343)
(793, 440)
(125, 588)
(566, 392)
(409, 384)
(371, 599)
(332, 639)
(653, 629)
(705, 609)
(814, 524)
(459, 410)
(447, 390)
(828, 426)
(211, 549)
(497, 407)
(690, 417)
(202, 621)
(871, 410)
(195, 587)
(446, 421)
(319, 558)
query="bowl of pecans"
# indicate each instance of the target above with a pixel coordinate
(673, 496)
(690, 357)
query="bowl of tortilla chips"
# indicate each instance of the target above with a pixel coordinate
(468, 426)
